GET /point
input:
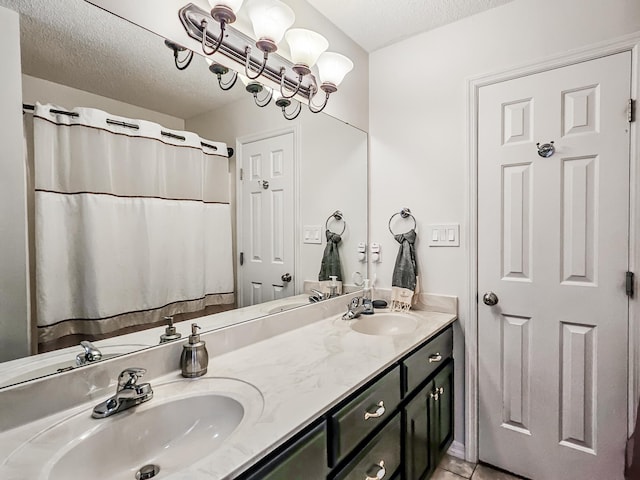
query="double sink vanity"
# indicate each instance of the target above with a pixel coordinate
(301, 394)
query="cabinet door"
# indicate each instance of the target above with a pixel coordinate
(441, 412)
(304, 460)
(417, 455)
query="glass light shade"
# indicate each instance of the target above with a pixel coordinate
(332, 67)
(234, 5)
(270, 18)
(305, 45)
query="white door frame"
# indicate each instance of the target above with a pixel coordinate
(254, 137)
(623, 44)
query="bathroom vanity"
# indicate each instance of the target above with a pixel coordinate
(309, 396)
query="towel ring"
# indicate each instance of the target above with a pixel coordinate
(337, 216)
(404, 213)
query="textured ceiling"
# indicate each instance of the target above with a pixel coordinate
(75, 43)
(374, 24)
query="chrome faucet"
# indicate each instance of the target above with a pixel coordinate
(355, 308)
(128, 394)
(91, 354)
(317, 296)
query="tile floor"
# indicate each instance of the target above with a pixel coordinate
(452, 468)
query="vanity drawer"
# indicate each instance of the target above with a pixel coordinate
(427, 359)
(383, 451)
(354, 421)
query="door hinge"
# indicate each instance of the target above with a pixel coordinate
(241, 173)
(630, 284)
(631, 110)
(241, 258)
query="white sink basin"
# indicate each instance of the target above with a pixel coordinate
(185, 421)
(385, 324)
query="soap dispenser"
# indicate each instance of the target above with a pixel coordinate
(170, 332)
(366, 298)
(195, 358)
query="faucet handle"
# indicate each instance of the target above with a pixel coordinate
(133, 374)
(355, 302)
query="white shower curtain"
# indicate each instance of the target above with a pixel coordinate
(130, 224)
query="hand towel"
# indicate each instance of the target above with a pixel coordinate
(405, 273)
(331, 265)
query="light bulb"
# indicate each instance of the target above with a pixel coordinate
(332, 67)
(270, 19)
(305, 45)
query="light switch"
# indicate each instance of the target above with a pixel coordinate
(312, 234)
(447, 235)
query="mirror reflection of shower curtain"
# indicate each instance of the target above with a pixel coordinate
(130, 224)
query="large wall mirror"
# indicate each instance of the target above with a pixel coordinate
(75, 55)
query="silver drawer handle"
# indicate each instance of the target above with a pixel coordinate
(377, 413)
(437, 393)
(435, 358)
(379, 475)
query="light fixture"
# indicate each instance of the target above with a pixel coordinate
(270, 19)
(309, 70)
(283, 103)
(223, 12)
(306, 46)
(254, 88)
(219, 71)
(177, 49)
(332, 68)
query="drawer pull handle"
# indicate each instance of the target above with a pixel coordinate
(437, 393)
(377, 413)
(376, 472)
(435, 357)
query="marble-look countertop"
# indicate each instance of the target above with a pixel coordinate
(299, 374)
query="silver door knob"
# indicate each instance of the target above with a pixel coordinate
(490, 299)
(286, 277)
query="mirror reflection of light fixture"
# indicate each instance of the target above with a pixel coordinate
(219, 71)
(177, 49)
(284, 103)
(254, 88)
(223, 12)
(270, 19)
(306, 46)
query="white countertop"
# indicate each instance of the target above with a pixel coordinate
(300, 374)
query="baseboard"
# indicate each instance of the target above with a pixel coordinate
(456, 450)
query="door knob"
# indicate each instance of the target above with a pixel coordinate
(490, 299)
(286, 277)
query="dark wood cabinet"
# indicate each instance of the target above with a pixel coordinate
(399, 423)
(428, 421)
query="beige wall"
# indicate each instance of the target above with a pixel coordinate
(418, 122)
(14, 296)
(43, 91)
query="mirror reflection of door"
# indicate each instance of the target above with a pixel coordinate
(266, 224)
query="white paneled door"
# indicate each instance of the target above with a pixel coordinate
(553, 236)
(266, 237)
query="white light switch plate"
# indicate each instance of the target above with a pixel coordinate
(445, 235)
(312, 234)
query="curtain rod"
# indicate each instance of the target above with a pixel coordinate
(31, 108)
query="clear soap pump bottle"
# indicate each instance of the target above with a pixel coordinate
(195, 358)
(366, 298)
